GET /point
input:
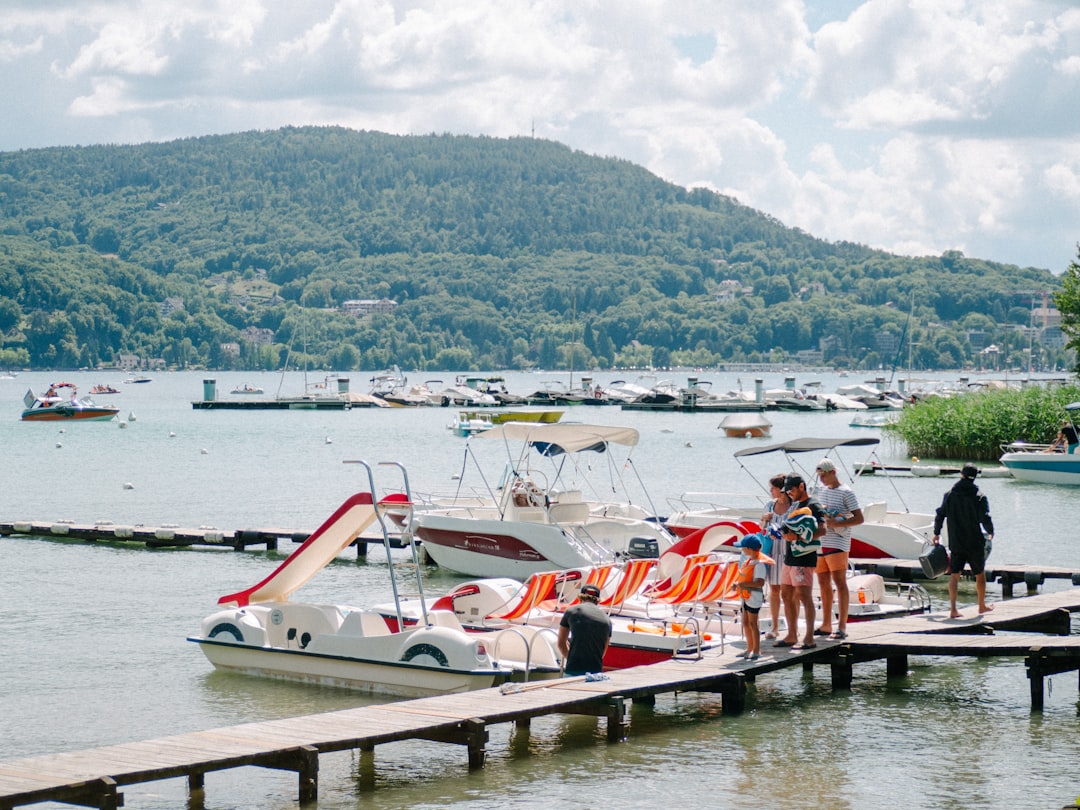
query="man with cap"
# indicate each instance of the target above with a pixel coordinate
(800, 562)
(842, 512)
(968, 514)
(584, 634)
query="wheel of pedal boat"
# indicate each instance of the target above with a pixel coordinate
(426, 655)
(227, 628)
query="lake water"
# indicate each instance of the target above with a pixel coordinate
(96, 651)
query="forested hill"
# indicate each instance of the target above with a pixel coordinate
(499, 253)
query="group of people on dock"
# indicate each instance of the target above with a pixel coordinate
(809, 538)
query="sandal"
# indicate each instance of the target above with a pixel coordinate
(839, 635)
(796, 647)
(782, 643)
(820, 631)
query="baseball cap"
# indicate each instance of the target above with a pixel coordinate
(751, 541)
(826, 465)
(969, 471)
(591, 591)
(792, 481)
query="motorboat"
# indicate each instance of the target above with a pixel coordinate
(1044, 463)
(1033, 462)
(746, 425)
(247, 389)
(139, 378)
(469, 423)
(391, 387)
(884, 533)
(546, 512)
(260, 631)
(52, 406)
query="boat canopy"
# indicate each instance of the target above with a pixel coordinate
(551, 439)
(808, 445)
(1073, 406)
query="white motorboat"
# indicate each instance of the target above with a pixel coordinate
(540, 519)
(261, 632)
(1042, 463)
(883, 534)
(247, 389)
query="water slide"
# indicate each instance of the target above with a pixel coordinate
(329, 540)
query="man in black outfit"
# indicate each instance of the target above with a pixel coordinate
(584, 634)
(968, 513)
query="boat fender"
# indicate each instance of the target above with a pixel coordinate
(227, 628)
(425, 650)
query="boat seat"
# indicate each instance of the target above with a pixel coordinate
(530, 514)
(364, 624)
(536, 589)
(569, 512)
(567, 496)
(874, 512)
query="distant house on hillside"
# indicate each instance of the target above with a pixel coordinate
(171, 305)
(365, 306)
(261, 337)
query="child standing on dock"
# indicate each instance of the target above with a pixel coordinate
(751, 584)
(968, 513)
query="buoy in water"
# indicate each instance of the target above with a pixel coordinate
(128, 485)
(205, 452)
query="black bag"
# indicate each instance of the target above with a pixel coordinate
(934, 561)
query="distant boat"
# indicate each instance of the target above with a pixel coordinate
(138, 378)
(247, 388)
(746, 425)
(103, 388)
(52, 407)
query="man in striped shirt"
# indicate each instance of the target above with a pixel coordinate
(842, 513)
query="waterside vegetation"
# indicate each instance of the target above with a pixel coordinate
(972, 427)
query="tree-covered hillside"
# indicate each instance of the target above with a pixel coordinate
(498, 252)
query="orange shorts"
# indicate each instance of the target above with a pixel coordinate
(831, 561)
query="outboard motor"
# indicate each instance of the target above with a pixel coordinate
(643, 548)
(934, 561)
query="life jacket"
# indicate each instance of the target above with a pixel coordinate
(745, 575)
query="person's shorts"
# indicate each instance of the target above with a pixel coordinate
(748, 609)
(798, 576)
(829, 559)
(975, 559)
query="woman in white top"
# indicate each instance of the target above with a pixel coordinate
(771, 521)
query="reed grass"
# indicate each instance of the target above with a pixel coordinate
(972, 427)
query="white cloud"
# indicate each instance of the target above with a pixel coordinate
(912, 125)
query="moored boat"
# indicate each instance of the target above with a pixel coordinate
(261, 632)
(247, 389)
(1042, 463)
(539, 519)
(746, 425)
(52, 407)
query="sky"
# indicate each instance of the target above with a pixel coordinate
(914, 126)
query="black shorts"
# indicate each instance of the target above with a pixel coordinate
(975, 559)
(749, 609)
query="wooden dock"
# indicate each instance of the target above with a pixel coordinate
(171, 536)
(1005, 575)
(94, 777)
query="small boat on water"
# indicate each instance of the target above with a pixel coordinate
(469, 423)
(53, 407)
(261, 632)
(138, 378)
(103, 388)
(746, 425)
(1046, 463)
(247, 389)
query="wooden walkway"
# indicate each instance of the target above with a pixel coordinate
(94, 777)
(171, 536)
(1008, 576)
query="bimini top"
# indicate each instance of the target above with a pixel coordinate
(554, 438)
(808, 445)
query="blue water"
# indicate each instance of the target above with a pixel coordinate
(95, 651)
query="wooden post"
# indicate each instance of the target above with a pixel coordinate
(616, 719)
(196, 790)
(1035, 678)
(896, 666)
(476, 737)
(308, 773)
(842, 667)
(733, 694)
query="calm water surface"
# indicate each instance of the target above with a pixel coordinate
(95, 650)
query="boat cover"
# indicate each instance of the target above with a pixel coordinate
(808, 445)
(550, 438)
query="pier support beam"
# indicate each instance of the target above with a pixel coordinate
(896, 666)
(305, 761)
(842, 668)
(1042, 663)
(100, 793)
(472, 734)
(733, 694)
